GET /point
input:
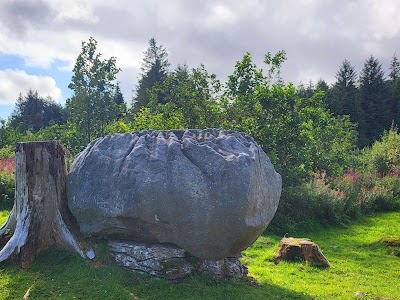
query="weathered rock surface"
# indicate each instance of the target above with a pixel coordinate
(159, 260)
(170, 262)
(210, 192)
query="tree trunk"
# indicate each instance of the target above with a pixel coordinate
(40, 217)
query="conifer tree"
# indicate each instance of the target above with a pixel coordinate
(33, 112)
(344, 99)
(394, 90)
(154, 69)
(374, 102)
(394, 68)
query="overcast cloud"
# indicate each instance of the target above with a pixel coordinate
(12, 81)
(317, 35)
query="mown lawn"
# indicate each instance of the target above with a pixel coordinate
(359, 265)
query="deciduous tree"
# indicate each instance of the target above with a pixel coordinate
(92, 106)
(192, 93)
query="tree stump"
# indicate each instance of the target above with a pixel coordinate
(40, 217)
(291, 249)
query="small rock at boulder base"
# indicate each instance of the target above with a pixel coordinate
(224, 268)
(210, 192)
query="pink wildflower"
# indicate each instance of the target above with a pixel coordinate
(7, 165)
(352, 174)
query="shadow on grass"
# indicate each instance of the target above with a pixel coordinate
(58, 274)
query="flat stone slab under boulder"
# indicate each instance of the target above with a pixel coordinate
(210, 192)
(165, 261)
(171, 262)
(292, 249)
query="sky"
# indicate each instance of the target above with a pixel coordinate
(41, 39)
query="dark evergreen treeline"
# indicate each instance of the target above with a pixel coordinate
(371, 99)
(33, 112)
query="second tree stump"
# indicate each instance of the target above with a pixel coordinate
(291, 249)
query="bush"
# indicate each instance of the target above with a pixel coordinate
(367, 192)
(7, 183)
(7, 152)
(335, 201)
(387, 194)
(6, 191)
(308, 206)
(384, 156)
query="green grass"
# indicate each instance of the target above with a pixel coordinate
(360, 263)
(3, 216)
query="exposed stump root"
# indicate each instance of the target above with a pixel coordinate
(40, 217)
(292, 249)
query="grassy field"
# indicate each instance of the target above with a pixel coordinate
(360, 264)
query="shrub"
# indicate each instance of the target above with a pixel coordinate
(6, 183)
(387, 194)
(367, 192)
(308, 206)
(335, 201)
(7, 152)
(384, 156)
(6, 191)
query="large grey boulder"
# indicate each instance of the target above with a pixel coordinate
(210, 192)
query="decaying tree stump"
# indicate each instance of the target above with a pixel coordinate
(291, 249)
(40, 217)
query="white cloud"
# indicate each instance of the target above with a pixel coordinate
(14, 82)
(317, 35)
(41, 47)
(73, 10)
(384, 18)
(220, 16)
(314, 75)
